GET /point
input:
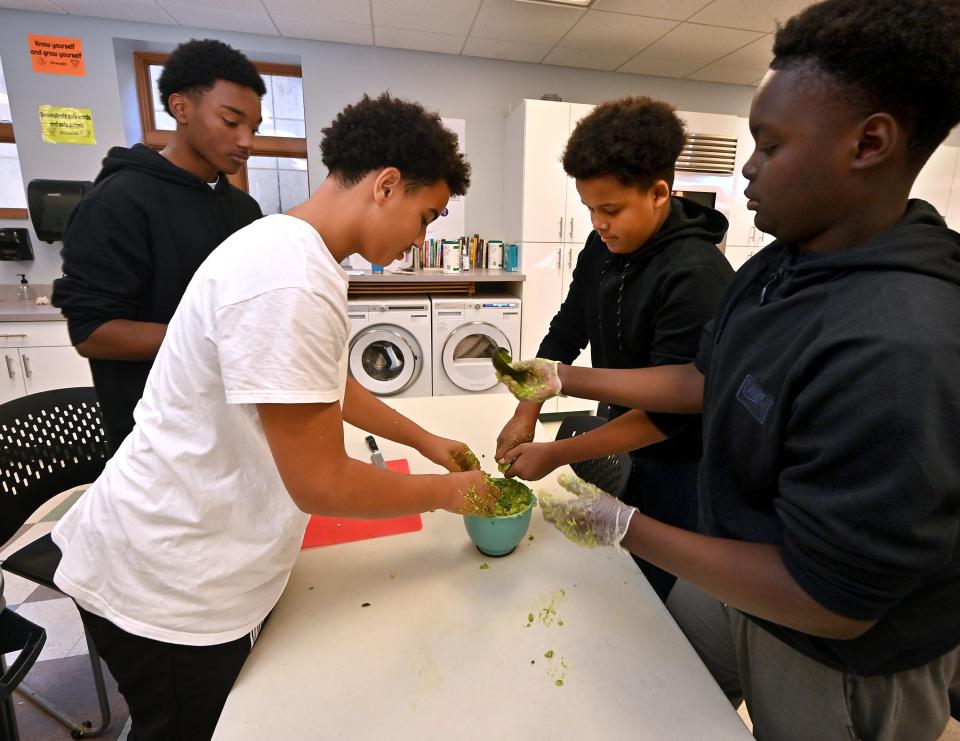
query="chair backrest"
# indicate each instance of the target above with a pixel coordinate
(50, 442)
(611, 472)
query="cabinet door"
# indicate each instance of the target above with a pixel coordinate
(578, 225)
(46, 368)
(541, 266)
(546, 126)
(11, 375)
(935, 180)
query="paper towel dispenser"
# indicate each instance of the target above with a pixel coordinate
(15, 245)
(51, 202)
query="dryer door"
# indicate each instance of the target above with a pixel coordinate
(468, 352)
(385, 359)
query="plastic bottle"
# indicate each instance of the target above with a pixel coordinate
(25, 291)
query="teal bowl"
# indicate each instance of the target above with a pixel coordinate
(498, 536)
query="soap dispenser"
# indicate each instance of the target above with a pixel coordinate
(25, 290)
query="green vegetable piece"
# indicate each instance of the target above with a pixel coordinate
(530, 617)
(484, 565)
(559, 683)
(549, 654)
(502, 361)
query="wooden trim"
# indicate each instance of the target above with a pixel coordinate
(6, 133)
(283, 70)
(141, 64)
(14, 213)
(157, 139)
(278, 146)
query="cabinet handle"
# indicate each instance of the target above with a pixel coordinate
(571, 227)
(11, 336)
(559, 258)
(561, 227)
(9, 366)
(569, 257)
(26, 366)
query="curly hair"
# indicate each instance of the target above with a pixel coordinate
(901, 57)
(380, 132)
(635, 139)
(195, 66)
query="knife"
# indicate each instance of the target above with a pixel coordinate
(375, 457)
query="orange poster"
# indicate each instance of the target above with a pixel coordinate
(56, 55)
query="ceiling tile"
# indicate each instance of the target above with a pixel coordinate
(689, 42)
(449, 16)
(221, 20)
(511, 50)
(42, 6)
(528, 23)
(659, 67)
(585, 59)
(402, 38)
(145, 11)
(733, 75)
(345, 11)
(615, 32)
(753, 15)
(756, 55)
(320, 30)
(247, 6)
(678, 10)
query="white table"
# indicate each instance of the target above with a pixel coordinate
(446, 650)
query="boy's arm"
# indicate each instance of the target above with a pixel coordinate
(533, 461)
(664, 388)
(306, 441)
(123, 339)
(363, 409)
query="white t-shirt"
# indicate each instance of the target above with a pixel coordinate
(189, 535)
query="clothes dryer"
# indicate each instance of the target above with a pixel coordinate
(389, 345)
(466, 332)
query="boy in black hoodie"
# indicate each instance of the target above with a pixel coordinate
(648, 279)
(826, 590)
(132, 245)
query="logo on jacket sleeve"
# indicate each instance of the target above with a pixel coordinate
(755, 399)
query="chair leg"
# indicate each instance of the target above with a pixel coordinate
(8, 716)
(78, 729)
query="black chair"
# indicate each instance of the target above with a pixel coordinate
(50, 442)
(16, 634)
(611, 472)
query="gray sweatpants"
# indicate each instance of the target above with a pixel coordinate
(792, 697)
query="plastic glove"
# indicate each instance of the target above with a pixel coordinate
(538, 380)
(591, 518)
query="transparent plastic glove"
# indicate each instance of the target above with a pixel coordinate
(534, 380)
(591, 517)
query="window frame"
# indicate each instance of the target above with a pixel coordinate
(7, 137)
(263, 146)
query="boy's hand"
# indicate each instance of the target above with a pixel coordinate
(530, 461)
(591, 518)
(518, 430)
(451, 454)
(472, 493)
(537, 382)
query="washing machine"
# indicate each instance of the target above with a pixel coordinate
(466, 332)
(389, 346)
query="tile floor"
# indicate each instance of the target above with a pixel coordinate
(63, 670)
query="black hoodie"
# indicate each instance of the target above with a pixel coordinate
(647, 308)
(129, 250)
(832, 428)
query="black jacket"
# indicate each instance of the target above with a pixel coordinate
(647, 308)
(129, 250)
(831, 428)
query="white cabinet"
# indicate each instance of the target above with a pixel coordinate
(38, 356)
(936, 180)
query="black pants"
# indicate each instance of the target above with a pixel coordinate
(665, 491)
(174, 692)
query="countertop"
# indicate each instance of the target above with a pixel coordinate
(13, 309)
(448, 649)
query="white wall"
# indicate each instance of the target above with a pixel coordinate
(480, 91)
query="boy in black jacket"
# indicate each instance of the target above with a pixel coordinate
(132, 245)
(826, 590)
(648, 279)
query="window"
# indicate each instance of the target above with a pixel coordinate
(13, 199)
(276, 173)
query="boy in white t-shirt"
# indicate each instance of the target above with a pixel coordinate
(181, 548)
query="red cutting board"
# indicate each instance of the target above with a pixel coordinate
(333, 530)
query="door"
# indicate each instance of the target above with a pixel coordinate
(385, 359)
(546, 126)
(467, 357)
(46, 368)
(11, 380)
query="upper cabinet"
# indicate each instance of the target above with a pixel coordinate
(541, 203)
(937, 179)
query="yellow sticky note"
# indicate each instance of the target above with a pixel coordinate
(62, 125)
